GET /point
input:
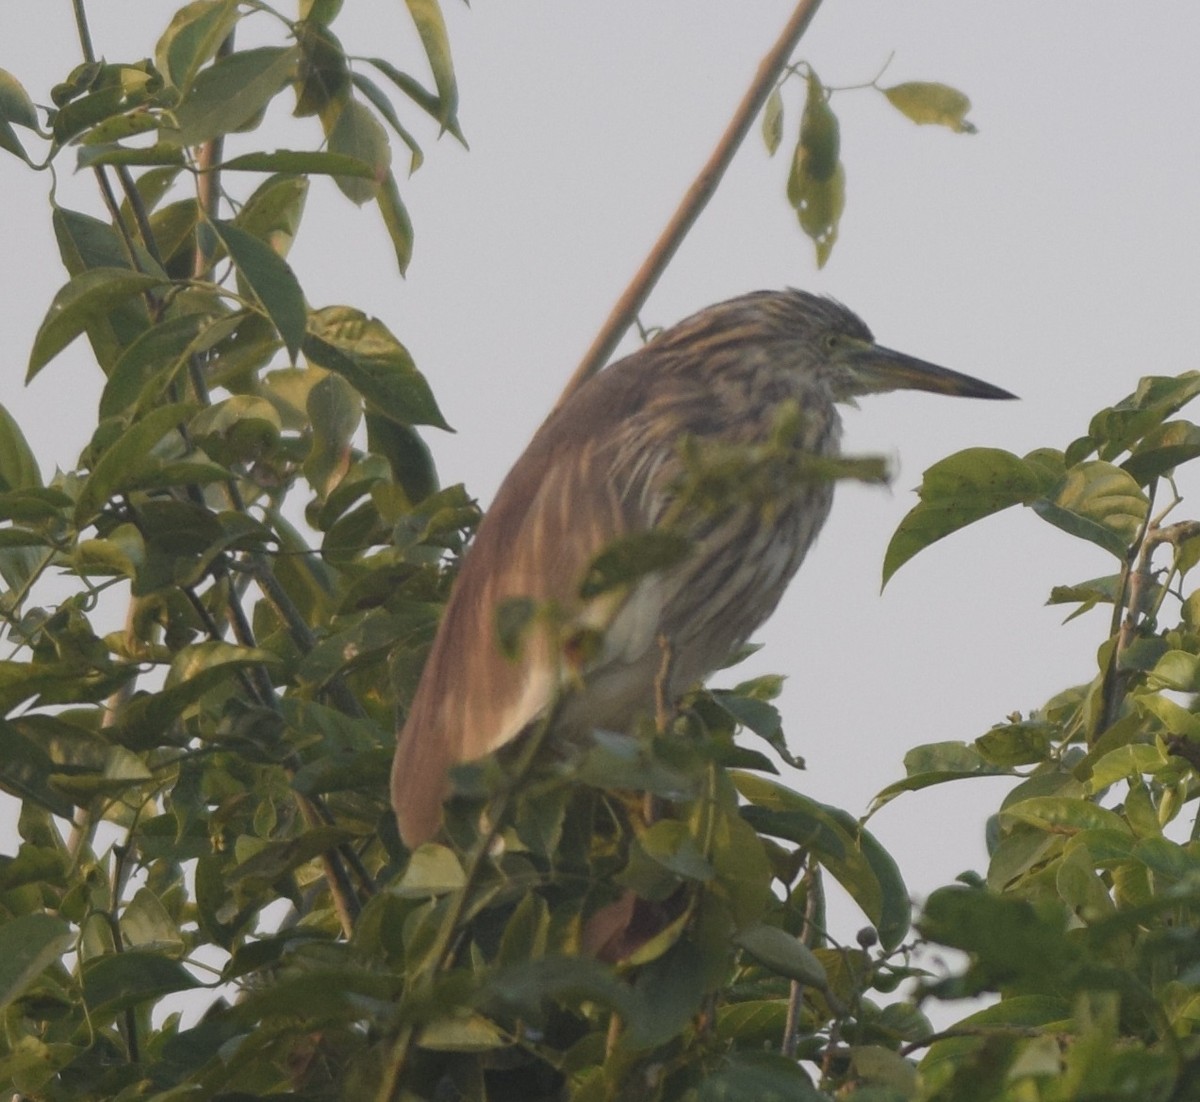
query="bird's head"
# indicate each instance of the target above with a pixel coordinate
(831, 344)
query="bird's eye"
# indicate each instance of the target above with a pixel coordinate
(832, 341)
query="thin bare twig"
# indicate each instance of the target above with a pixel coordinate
(814, 904)
(1135, 572)
(85, 35)
(702, 190)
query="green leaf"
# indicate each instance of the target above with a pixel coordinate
(670, 844)
(162, 153)
(364, 352)
(34, 505)
(743, 868)
(816, 186)
(197, 668)
(1163, 449)
(1177, 719)
(86, 299)
(1017, 743)
(396, 220)
(174, 228)
(1103, 590)
(119, 980)
(120, 88)
(928, 102)
(1098, 502)
(525, 987)
(18, 467)
(761, 718)
(1123, 763)
(1012, 943)
(25, 769)
(211, 660)
(1113, 431)
(323, 81)
(463, 1032)
(1178, 670)
(295, 162)
(840, 843)
(273, 212)
(670, 991)
(32, 943)
(432, 870)
(756, 1022)
(274, 859)
(15, 104)
(379, 100)
(935, 764)
(359, 134)
(121, 554)
(240, 429)
(772, 121)
(365, 639)
(271, 279)
(957, 491)
(160, 351)
(413, 89)
(1032, 1011)
(1168, 859)
(146, 924)
(85, 242)
(128, 458)
(320, 11)
(109, 133)
(335, 411)
(427, 15)
(15, 107)
(782, 953)
(762, 1076)
(932, 757)
(1063, 814)
(192, 38)
(880, 1067)
(406, 453)
(231, 94)
(629, 558)
(1081, 889)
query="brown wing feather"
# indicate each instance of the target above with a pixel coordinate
(559, 506)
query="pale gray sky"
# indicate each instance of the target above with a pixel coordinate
(1056, 253)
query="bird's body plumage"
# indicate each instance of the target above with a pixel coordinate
(605, 464)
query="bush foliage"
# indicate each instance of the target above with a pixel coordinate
(204, 819)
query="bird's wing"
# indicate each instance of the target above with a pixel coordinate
(561, 504)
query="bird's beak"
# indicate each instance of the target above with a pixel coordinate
(876, 370)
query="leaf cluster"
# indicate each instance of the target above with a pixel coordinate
(1085, 922)
(209, 897)
(816, 184)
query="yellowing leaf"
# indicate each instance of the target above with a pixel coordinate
(772, 122)
(359, 134)
(928, 102)
(1098, 502)
(816, 186)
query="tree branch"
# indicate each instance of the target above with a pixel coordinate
(702, 190)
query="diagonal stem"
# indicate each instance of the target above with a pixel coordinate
(702, 190)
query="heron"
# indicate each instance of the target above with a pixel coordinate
(609, 462)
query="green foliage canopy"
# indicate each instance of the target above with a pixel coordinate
(219, 761)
